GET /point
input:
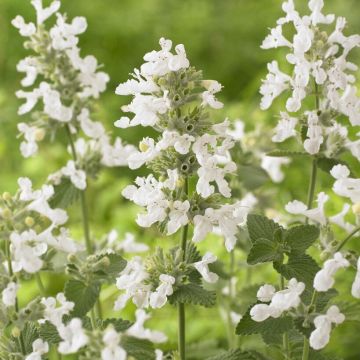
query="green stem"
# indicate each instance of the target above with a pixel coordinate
(286, 344)
(40, 284)
(343, 243)
(312, 184)
(93, 318)
(181, 306)
(231, 333)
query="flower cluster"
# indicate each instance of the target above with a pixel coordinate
(171, 97)
(320, 69)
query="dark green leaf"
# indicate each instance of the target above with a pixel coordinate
(49, 333)
(137, 348)
(65, 194)
(301, 237)
(193, 294)
(111, 269)
(252, 176)
(84, 296)
(260, 227)
(326, 164)
(119, 325)
(263, 250)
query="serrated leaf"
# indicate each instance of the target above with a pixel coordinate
(260, 227)
(49, 333)
(287, 153)
(193, 294)
(247, 326)
(138, 348)
(351, 310)
(84, 296)
(30, 334)
(301, 237)
(65, 194)
(304, 329)
(192, 254)
(119, 325)
(323, 299)
(302, 267)
(238, 354)
(263, 250)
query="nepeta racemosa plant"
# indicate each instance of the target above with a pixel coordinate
(32, 231)
(305, 306)
(189, 164)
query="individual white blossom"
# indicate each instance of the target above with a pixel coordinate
(8, 295)
(345, 185)
(39, 348)
(320, 337)
(324, 279)
(266, 293)
(202, 267)
(212, 87)
(339, 219)
(112, 349)
(285, 128)
(272, 165)
(159, 298)
(73, 337)
(138, 330)
(128, 244)
(355, 289)
(178, 216)
(32, 135)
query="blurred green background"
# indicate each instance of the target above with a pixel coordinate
(222, 37)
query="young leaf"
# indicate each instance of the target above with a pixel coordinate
(137, 348)
(49, 333)
(65, 194)
(302, 267)
(299, 238)
(84, 296)
(263, 250)
(193, 294)
(260, 227)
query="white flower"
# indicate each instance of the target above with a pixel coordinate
(202, 267)
(44, 13)
(9, 294)
(316, 214)
(128, 244)
(316, 16)
(24, 29)
(285, 127)
(55, 309)
(324, 279)
(159, 298)
(266, 293)
(26, 250)
(212, 87)
(320, 337)
(159, 355)
(140, 84)
(32, 135)
(77, 177)
(339, 220)
(235, 317)
(314, 134)
(30, 67)
(73, 336)
(178, 216)
(355, 289)
(281, 301)
(112, 349)
(148, 152)
(344, 184)
(137, 330)
(272, 165)
(91, 128)
(181, 143)
(40, 348)
(179, 61)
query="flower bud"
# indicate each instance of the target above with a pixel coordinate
(356, 209)
(39, 134)
(143, 146)
(6, 213)
(6, 196)
(71, 258)
(15, 332)
(29, 221)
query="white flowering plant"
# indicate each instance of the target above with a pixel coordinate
(205, 187)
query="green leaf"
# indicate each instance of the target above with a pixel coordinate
(237, 354)
(287, 153)
(49, 333)
(30, 334)
(192, 253)
(301, 237)
(137, 348)
(193, 294)
(323, 299)
(119, 325)
(351, 310)
(84, 296)
(252, 177)
(248, 326)
(65, 194)
(302, 267)
(260, 227)
(111, 269)
(304, 329)
(263, 250)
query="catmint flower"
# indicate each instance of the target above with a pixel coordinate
(32, 136)
(137, 329)
(128, 244)
(339, 219)
(112, 349)
(272, 165)
(202, 267)
(56, 309)
(355, 289)
(317, 214)
(159, 298)
(320, 337)
(159, 355)
(285, 128)
(324, 279)
(39, 348)
(73, 337)
(345, 185)
(77, 177)
(280, 301)
(8, 295)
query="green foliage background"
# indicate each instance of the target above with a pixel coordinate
(222, 37)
